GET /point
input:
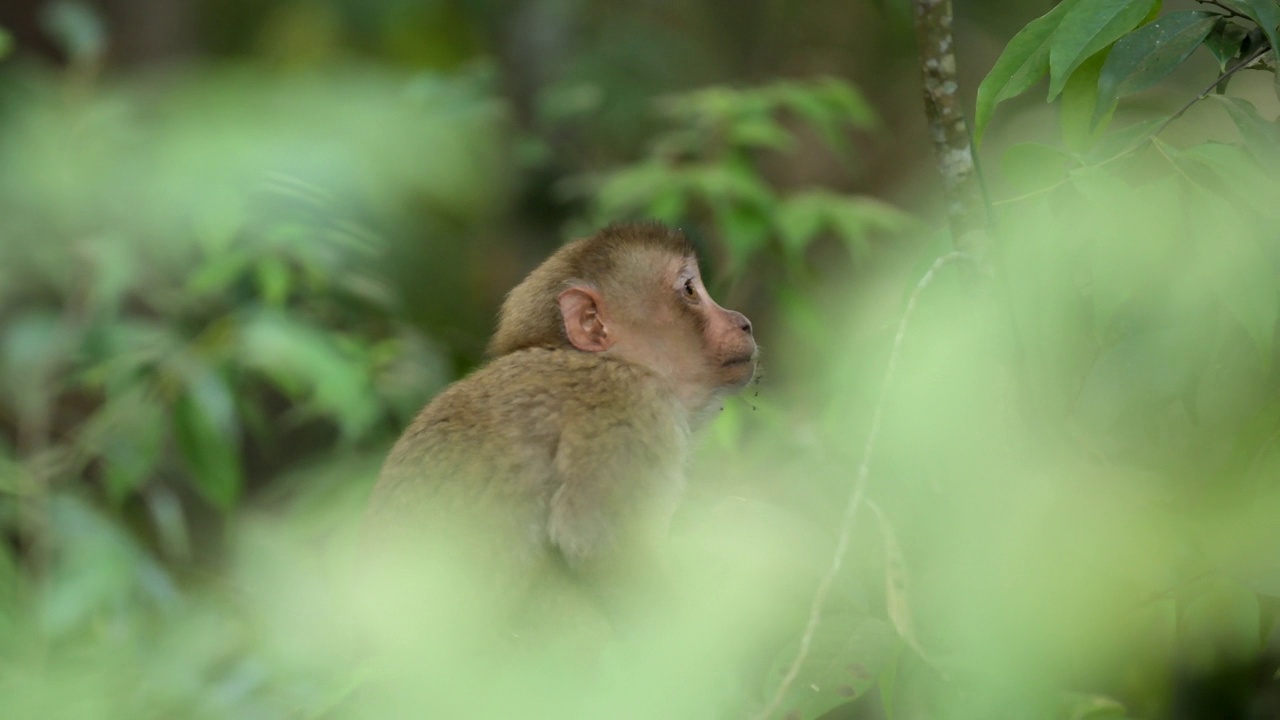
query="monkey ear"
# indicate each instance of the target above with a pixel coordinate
(584, 323)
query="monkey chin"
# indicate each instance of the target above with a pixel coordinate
(737, 373)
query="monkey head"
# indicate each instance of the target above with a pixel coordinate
(633, 291)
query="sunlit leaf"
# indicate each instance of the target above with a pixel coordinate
(1147, 55)
(1089, 27)
(1022, 63)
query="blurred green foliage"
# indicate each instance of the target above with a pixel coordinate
(223, 290)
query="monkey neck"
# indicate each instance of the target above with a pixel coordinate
(699, 405)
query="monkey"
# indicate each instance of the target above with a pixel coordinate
(566, 451)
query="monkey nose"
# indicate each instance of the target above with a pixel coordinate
(741, 321)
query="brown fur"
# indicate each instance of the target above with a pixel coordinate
(550, 455)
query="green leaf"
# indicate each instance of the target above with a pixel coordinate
(1239, 270)
(1029, 167)
(1022, 63)
(1260, 135)
(128, 432)
(731, 181)
(1079, 101)
(1145, 56)
(36, 347)
(1238, 172)
(207, 432)
(218, 273)
(1125, 255)
(745, 232)
(274, 280)
(848, 102)
(98, 571)
(301, 358)
(1267, 14)
(669, 206)
(1090, 27)
(761, 131)
(6, 43)
(1224, 41)
(1120, 142)
(1144, 370)
(630, 190)
(800, 218)
(818, 114)
(856, 218)
(848, 654)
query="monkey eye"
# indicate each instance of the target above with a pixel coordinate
(689, 290)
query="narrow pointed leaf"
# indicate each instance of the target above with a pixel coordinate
(1224, 41)
(1261, 136)
(1267, 14)
(1089, 27)
(1145, 56)
(1024, 61)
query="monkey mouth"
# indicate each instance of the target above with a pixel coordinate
(740, 360)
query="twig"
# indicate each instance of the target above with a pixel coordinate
(1253, 57)
(859, 486)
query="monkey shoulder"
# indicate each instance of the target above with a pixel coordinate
(510, 415)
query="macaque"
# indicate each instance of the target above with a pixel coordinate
(565, 453)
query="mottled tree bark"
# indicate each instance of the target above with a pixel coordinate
(947, 127)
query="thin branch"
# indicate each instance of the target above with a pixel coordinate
(859, 488)
(1253, 58)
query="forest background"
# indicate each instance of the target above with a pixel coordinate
(1011, 459)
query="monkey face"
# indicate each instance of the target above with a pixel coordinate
(729, 349)
(678, 330)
